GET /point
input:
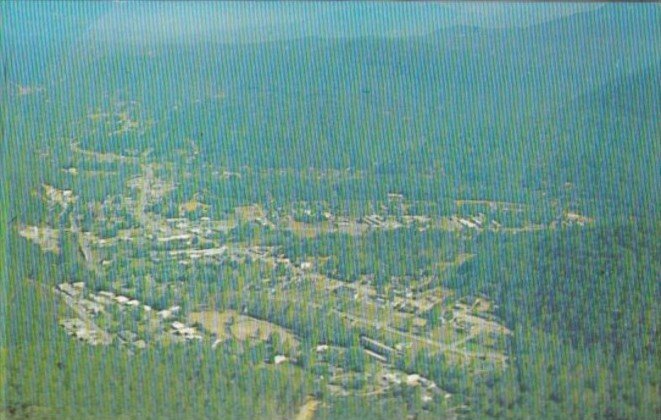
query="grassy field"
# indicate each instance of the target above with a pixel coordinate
(231, 324)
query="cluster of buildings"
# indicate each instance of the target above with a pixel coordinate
(102, 307)
(82, 331)
(429, 387)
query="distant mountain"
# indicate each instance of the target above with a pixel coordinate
(498, 109)
(634, 97)
(607, 143)
(610, 21)
(567, 56)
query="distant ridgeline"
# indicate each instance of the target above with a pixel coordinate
(417, 116)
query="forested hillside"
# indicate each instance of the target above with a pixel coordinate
(583, 308)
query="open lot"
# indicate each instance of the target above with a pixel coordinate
(231, 324)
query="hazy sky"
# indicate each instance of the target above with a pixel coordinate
(260, 21)
(155, 22)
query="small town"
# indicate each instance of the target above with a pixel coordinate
(409, 313)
